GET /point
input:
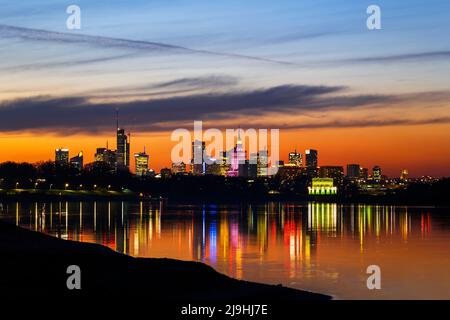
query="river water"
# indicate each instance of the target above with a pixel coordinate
(318, 247)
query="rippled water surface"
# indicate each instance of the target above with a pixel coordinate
(319, 247)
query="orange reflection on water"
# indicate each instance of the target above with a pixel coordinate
(321, 247)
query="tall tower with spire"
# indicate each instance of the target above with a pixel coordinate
(123, 146)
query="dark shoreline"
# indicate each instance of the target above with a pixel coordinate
(35, 264)
(75, 195)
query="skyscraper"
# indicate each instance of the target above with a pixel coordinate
(123, 149)
(62, 156)
(353, 171)
(141, 160)
(376, 173)
(104, 155)
(238, 157)
(311, 162)
(225, 163)
(295, 159)
(364, 173)
(263, 163)
(198, 165)
(77, 161)
(311, 158)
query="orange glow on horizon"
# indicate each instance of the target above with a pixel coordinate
(424, 150)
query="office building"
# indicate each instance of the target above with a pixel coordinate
(311, 157)
(213, 167)
(106, 156)
(248, 169)
(178, 168)
(334, 172)
(165, 173)
(141, 161)
(376, 173)
(263, 163)
(353, 171)
(238, 157)
(311, 163)
(198, 166)
(364, 173)
(295, 159)
(290, 171)
(225, 163)
(123, 149)
(77, 161)
(62, 156)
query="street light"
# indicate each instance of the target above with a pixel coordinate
(66, 186)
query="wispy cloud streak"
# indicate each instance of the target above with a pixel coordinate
(109, 42)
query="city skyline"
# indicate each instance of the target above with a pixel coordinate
(225, 158)
(311, 69)
(301, 158)
(238, 155)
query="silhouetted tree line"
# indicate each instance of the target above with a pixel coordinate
(49, 175)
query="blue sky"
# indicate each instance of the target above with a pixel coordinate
(260, 44)
(322, 38)
(238, 25)
(300, 65)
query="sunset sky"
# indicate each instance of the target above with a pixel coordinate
(308, 67)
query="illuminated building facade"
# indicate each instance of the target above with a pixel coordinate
(322, 186)
(179, 168)
(263, 163)
(213, 167)
(62, 156)
(123, 149)
(104, 155)
(238, 156)
(77, 161)
(376, 173)
(166, 173)
(141, 161)
(295, 159)
(225, 163)
(198, 166)
(311, 157)
(404, 175)
(364, 173)
(290, 171)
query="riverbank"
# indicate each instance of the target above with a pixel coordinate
(54, 195)
(63, 195)
(36, 264)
